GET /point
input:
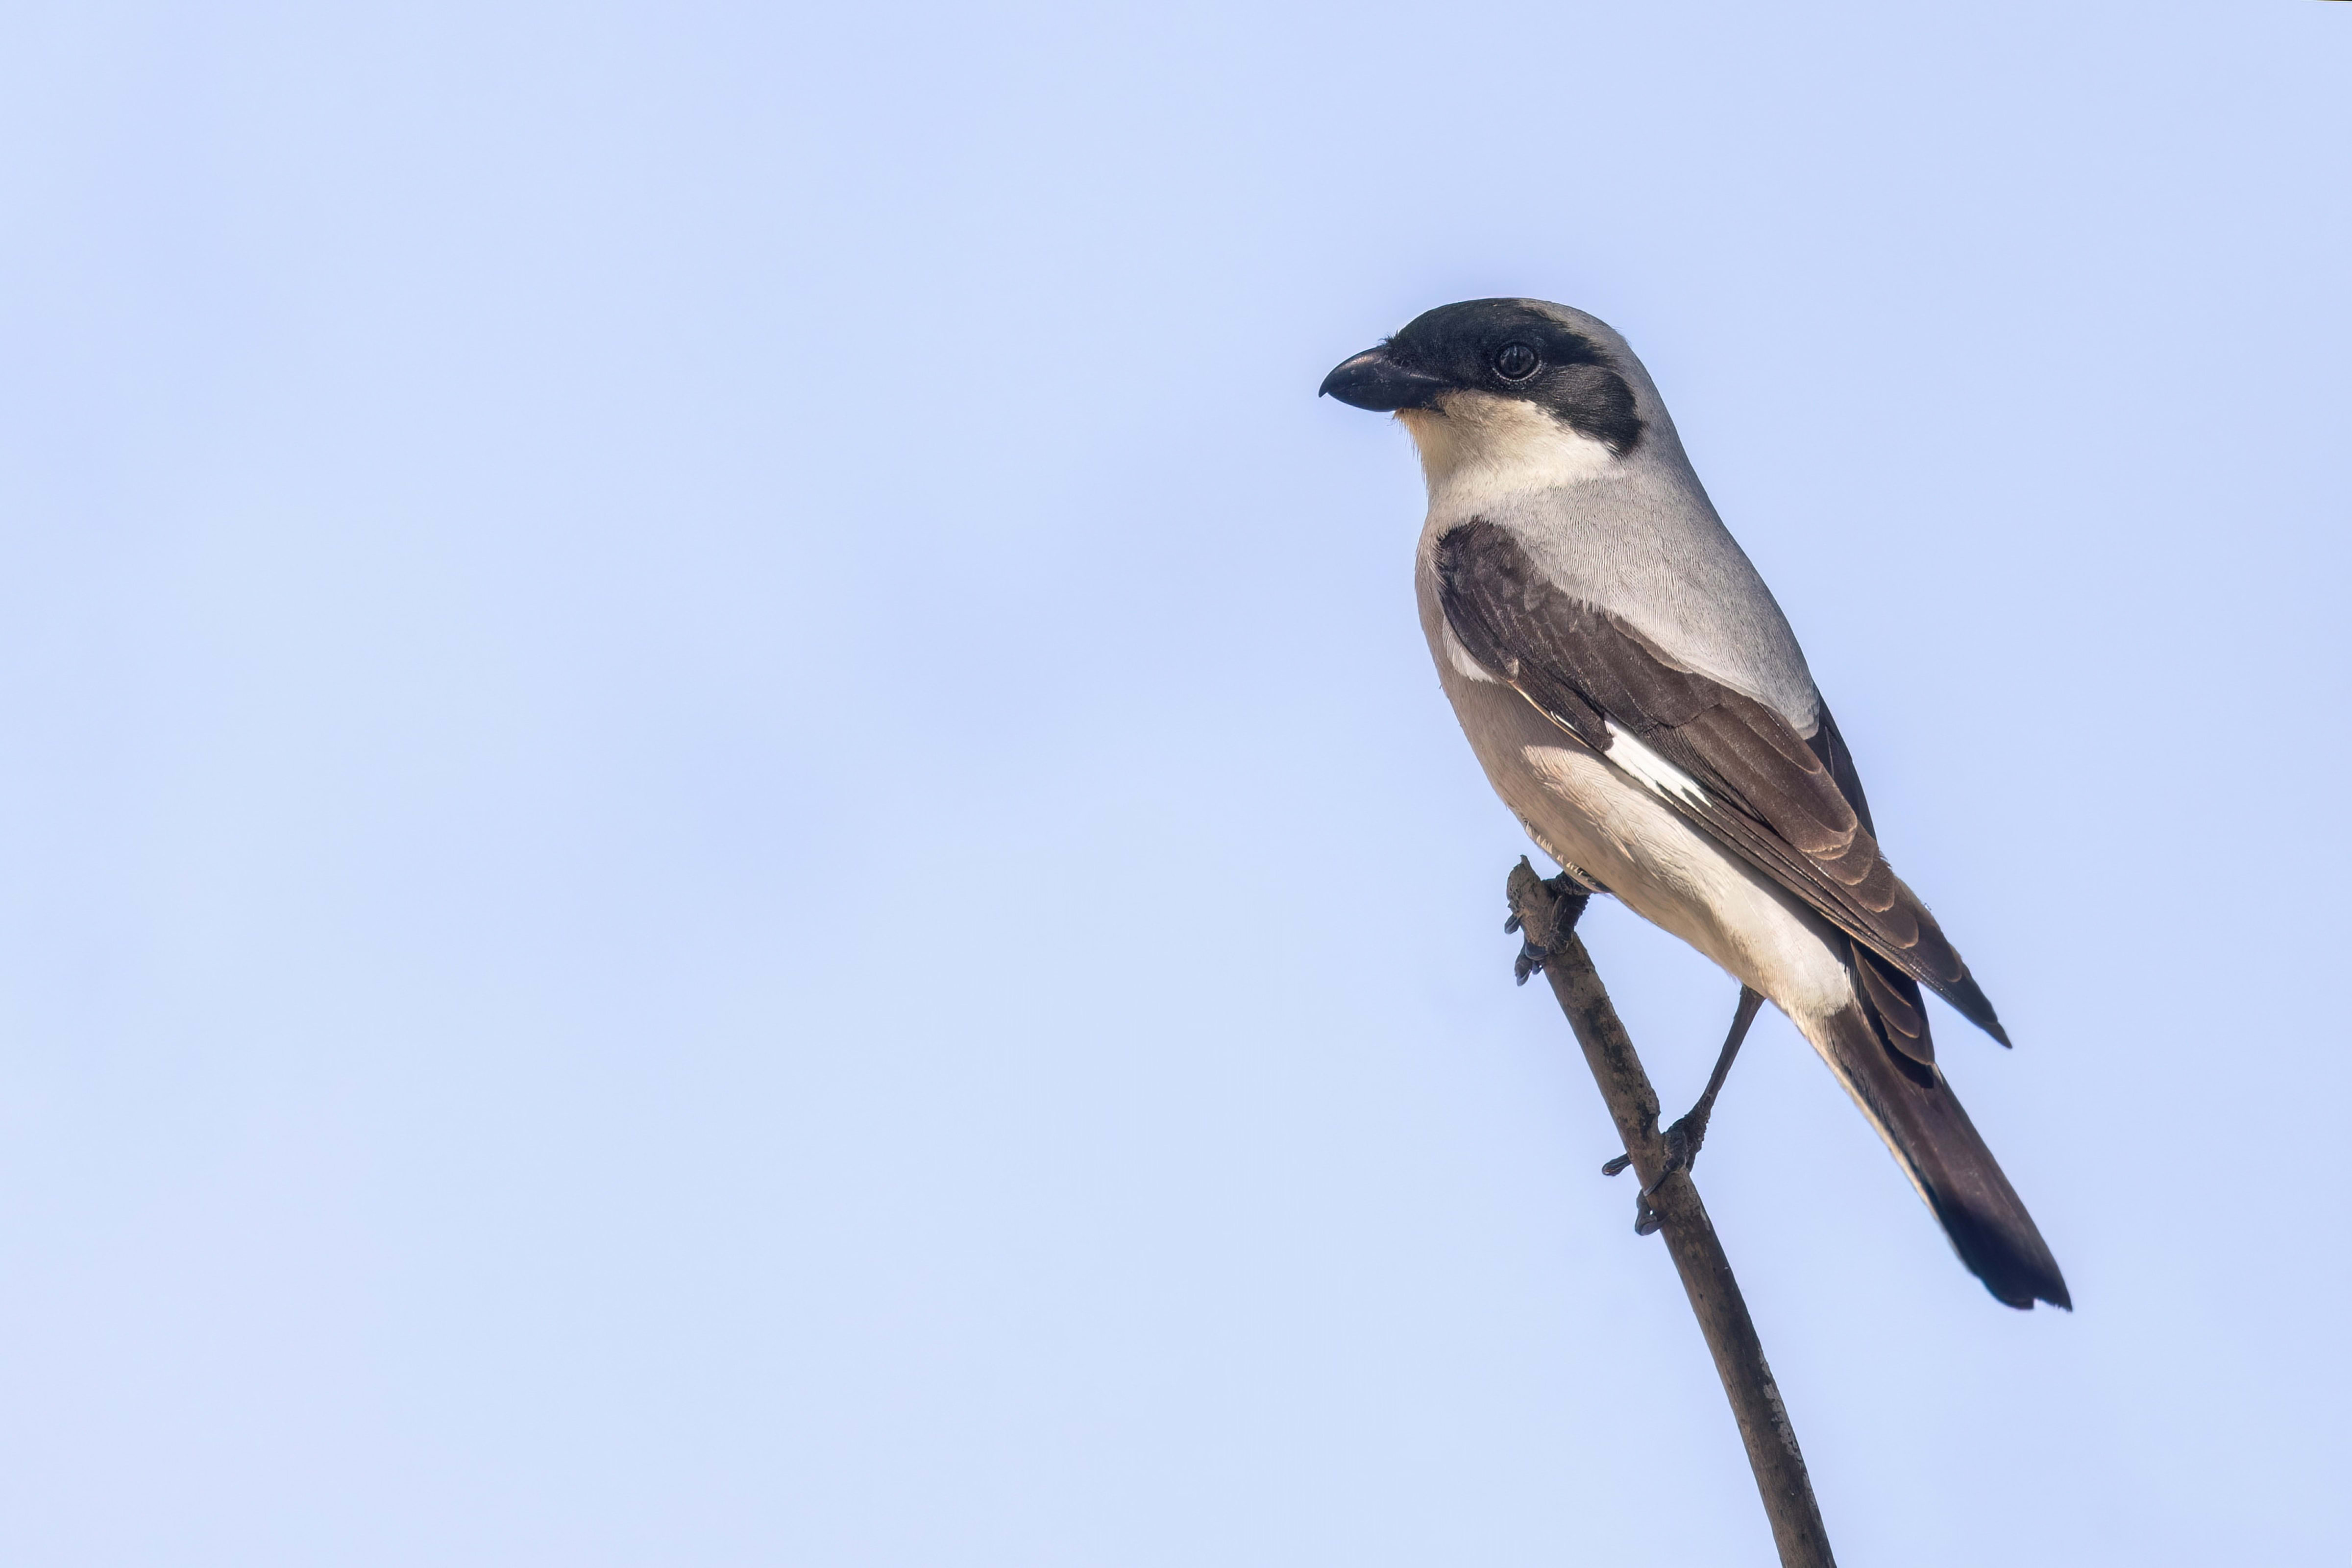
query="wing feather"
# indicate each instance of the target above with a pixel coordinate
(1790, 805)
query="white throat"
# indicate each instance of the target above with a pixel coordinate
(1480, 449)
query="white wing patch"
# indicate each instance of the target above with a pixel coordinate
(1463, 664)
(1627, 751)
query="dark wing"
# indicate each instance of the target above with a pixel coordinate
(1892, 996)
(1790, 808)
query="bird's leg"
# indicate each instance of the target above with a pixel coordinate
(1689, 1130)
(1684, 1138)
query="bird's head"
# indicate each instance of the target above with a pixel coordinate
(1512, 392)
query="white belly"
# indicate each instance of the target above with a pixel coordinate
(1673, 874)
(1597, 819)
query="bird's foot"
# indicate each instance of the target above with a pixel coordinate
(1555, 918)
(1646, 1218)
(1531, 958)
(1682, 1141)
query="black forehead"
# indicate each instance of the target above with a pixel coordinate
(1474, 326)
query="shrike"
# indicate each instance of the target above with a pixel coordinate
(1637, 699)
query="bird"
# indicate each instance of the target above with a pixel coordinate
(1637, 698)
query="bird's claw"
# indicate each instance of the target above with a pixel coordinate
(1682, 1141)
(1531, 957)
(1646, 1218)
(1568, 901)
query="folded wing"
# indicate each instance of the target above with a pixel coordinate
(1789, 805)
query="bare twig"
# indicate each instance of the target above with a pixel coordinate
(1549, 913)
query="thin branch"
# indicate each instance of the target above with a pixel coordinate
(1548, 913)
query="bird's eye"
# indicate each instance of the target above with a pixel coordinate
(1516, 362)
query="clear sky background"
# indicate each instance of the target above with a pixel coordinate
(724, 839)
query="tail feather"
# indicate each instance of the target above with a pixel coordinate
(1914, 1110)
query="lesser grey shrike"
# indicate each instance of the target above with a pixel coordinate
(1638, 701)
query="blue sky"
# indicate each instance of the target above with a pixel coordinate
(726, 839)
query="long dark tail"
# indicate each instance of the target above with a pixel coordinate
(1914, 1110)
